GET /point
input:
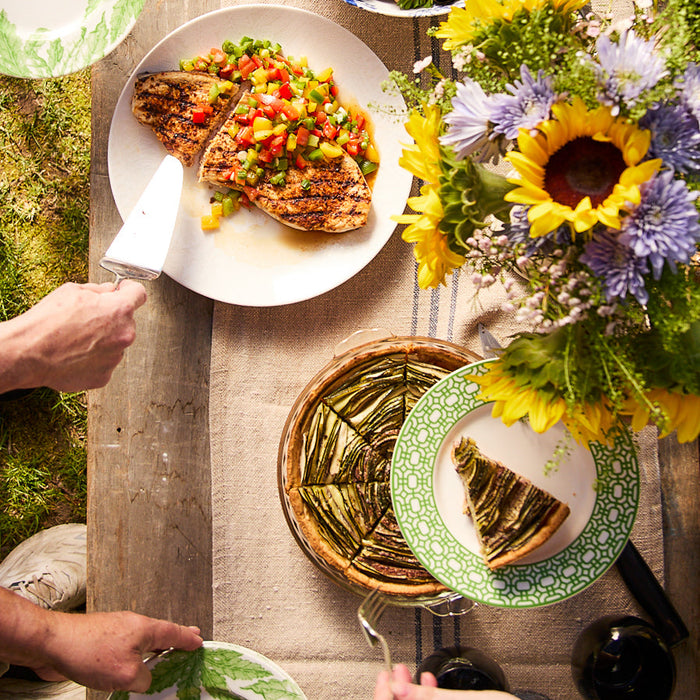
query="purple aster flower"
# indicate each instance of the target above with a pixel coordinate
(675, 137)
(627, 68)
(470, 131)
(528, 105)
(689, 85)
(664, 226)
(619, 269)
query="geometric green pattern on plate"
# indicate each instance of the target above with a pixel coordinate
(91, 30)
(224, 671)
(561, 576)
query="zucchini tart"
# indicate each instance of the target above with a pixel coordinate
(335, 462)
(512, 517)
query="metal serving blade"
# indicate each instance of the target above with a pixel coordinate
(138, 251)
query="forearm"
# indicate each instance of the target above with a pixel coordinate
(18, 368)
(25, 630)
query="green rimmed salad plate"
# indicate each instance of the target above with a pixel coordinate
(601, 487)
(217, 671)
(49, 39)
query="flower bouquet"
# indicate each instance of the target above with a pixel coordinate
(593, 225)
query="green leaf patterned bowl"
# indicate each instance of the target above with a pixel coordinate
(72, 35)
(217, 670)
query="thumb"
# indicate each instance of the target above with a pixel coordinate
(142, 680)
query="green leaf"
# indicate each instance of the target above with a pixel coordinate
(275, 689)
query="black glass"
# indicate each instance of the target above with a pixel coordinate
(463, 668)
(622, 658)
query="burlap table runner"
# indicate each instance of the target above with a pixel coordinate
(267, 595)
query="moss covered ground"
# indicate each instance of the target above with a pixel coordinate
(44, 222)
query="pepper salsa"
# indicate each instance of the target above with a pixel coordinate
(292, 117)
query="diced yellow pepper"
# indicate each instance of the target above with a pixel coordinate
(279, 129)
(217, 210)
(324, 75)
(209, 222)
(330, 150)
(372, 154)
(259, 76)
(291, 142)
(261, 124)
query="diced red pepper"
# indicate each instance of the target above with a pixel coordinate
(300, 162)
(265, 156)
(227, 71)
(359, 119)
(352, 147)
(290, 111)
(285, 91)
(199, 116)
(330, 131)
(245, 136)
(218, 56)
(277, 145)
(321, 116)
(334, 90)
(257, 61)
(302, 136)
(246, 65)
(284, 75)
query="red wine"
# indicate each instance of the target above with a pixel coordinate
(621, 658)
(463, 668)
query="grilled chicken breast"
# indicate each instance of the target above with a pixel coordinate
(167, 102)
(337, 197)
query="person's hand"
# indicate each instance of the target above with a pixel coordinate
(105, 651)
(400, 687)
(72, 339)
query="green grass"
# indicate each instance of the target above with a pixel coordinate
(44, 226)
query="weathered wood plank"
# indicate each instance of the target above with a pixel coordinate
(680, 484)
(149, 486)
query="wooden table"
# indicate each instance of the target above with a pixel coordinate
(149, 500)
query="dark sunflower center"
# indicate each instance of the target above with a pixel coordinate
(583, 167)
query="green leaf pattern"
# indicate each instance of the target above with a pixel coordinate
(43, 55)
(223, 673)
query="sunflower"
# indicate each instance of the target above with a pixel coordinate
(463, 23)
(434, 257)
(514, 400)
(682, 411)
(581, 167)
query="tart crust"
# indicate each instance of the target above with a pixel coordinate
(381, 557)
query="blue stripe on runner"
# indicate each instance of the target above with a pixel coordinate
(418, 634)
(454, 288)
(434, 311)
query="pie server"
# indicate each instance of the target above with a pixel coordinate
(138, 251)
(635, 572)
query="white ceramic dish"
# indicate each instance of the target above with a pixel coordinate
(48, 39)
(217, 670)
(389, 7)
(601, 488)
(253, 260)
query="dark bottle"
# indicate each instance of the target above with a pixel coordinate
(622, 658)
(463, 668)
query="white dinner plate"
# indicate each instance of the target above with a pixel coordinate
(601, 487)
(391, 8)
(216, 670)
(253, 260)
(46, 39)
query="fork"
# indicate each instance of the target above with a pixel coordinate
(368, 614)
